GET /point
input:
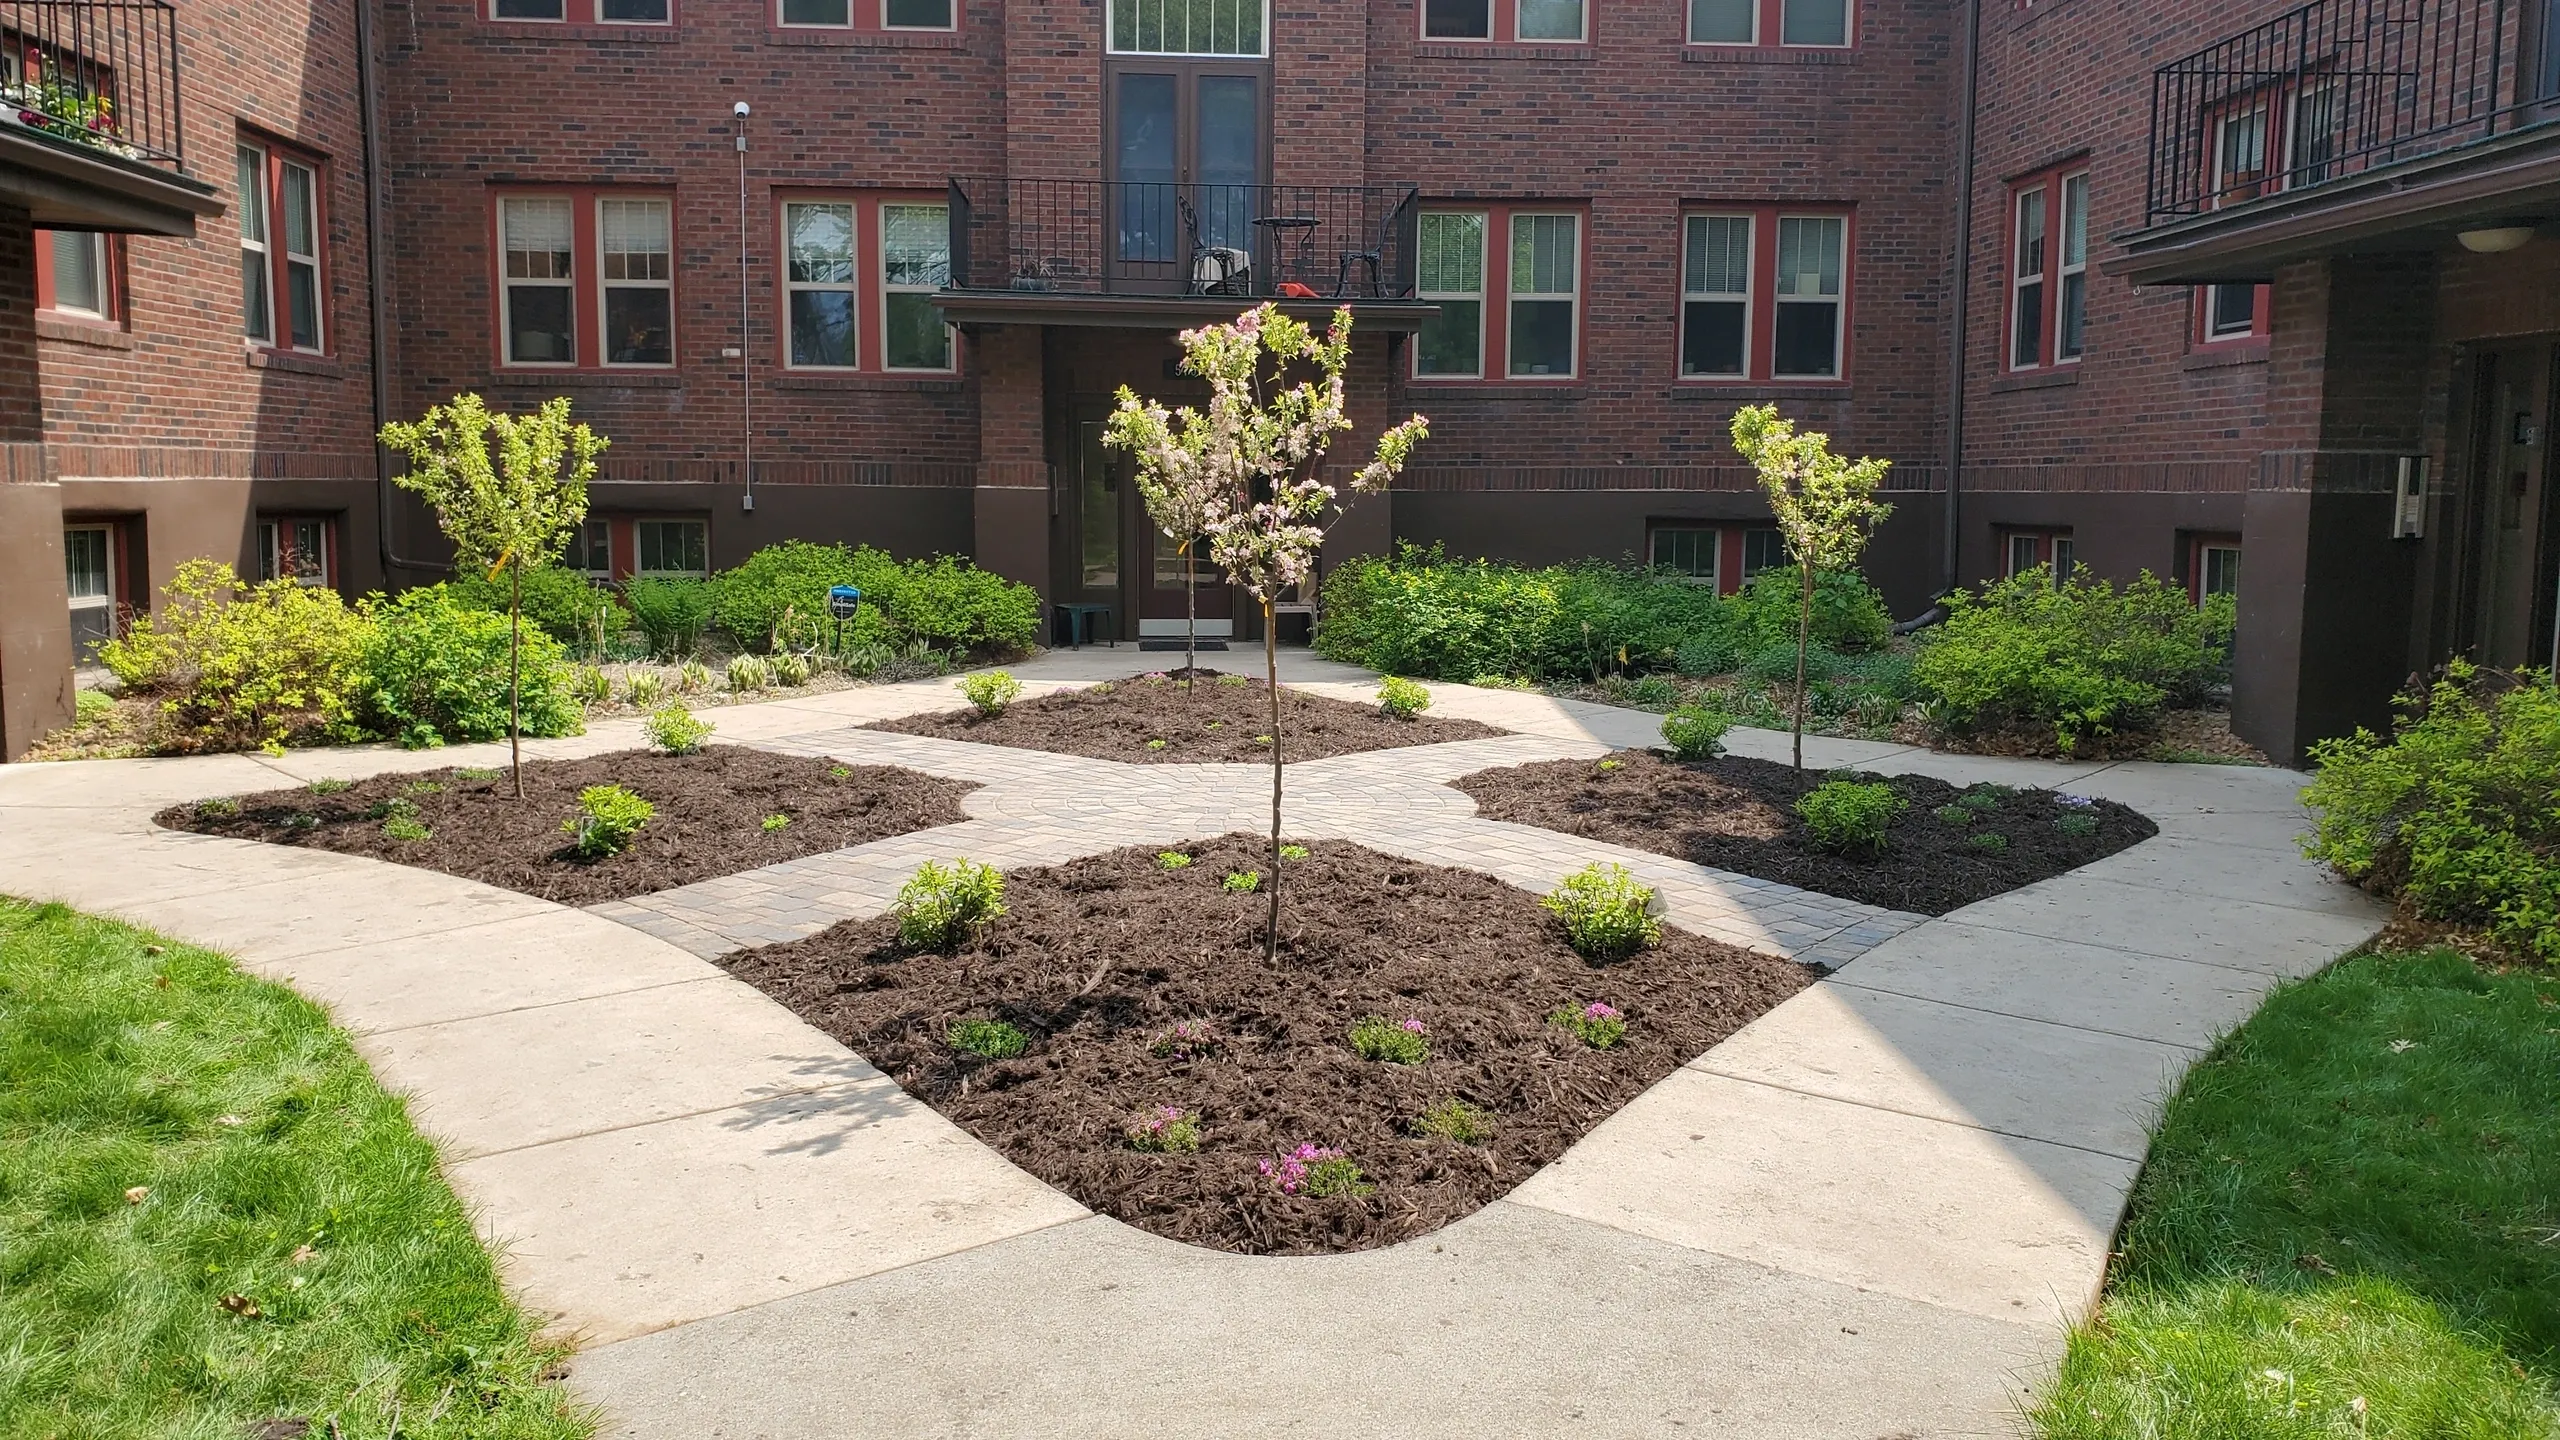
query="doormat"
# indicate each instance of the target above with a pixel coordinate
(1176, 644)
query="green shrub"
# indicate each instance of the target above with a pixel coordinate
(1848, 818)
(400, 821)
(1717, 651)
(749, 672)
(1173, 860)
(238, 666)
(944, 904)
(1164, 1130)
(434, 671)
(1956, 815)
(692, 678)
(1991, 840)
(1776, 665)
(676, 730)
(608, 817)
(2078, 827)
(949, 604)
(671, 611)
(91, 706)
(1294, 852)
(773, 823)
(563, 604)
(643, 689)
(1241, 882)
(1606, 912)
(220, 807)
(1849, 615)
(1394, 1042)
(990, 691)
(1402, 699)
(987, 1039)
(1695, 732)
(1597, 1025)
(1454, 1119)
(2459, 812)
(1422, 614)
(777, 597)
(2083, 658)
(791, 671)
(589, 685)
(1336, 1175)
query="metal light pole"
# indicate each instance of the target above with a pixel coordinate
(746, 346)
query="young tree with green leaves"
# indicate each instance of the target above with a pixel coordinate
(1825, 505)
(1178, 483)
(509, 491)
(1258, 452)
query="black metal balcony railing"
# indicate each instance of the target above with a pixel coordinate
(2333, 89)
(99, 73)
(1099, 237)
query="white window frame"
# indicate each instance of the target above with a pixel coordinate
(1581, 35)
(2024, 277)
(281, 228)
(271, 550)
(2073, 239)
(1750, 307)
(591, 533)
(1484, 242)
(508, 285)
(1112, 45)
(1848, 28)
(256, 213)
(2214, 333)
(2326, 92)
(98, 261)
(2223, 173)
(2204, 570)
(1689, 29)
(1711, 536)
(1839, 302)
(606, 285)
(640, 549)
(850, 286)
(1511, 296)
(950, 339)
(106, 534)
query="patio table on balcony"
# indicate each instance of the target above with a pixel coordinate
(1277, 230)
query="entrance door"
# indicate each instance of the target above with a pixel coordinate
(1112, 553)
(2511, 531)
(1187, 142)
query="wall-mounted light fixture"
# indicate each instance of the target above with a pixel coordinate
(2496, 239)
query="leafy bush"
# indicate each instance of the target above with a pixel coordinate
(1695, 732)
(1187, 1040)
(671, 611)
(1422, 614)
(1454, 1119)
(1164, 1130)
(563, 604)
(1990, 840)
(1336, 1175)
(400, 821)
(1847, 817)
(1315, 1170)
(2078, 827)
(1607, 913)
(991, 691)
(773, 823)
(589, 685)
(749, 672)
(1396, 1042)
(1173, 860)
(91, 706)
(240, 666)
(1402, 699)
(1597, 1025)
(1241, 882)
(988, 1039)
(643, 689)
(777, 597)
(676, 730)
(434, 670)
(1849, 615)
(2082, 657)
(608, 816)
(2458, 813)
(692, 678)
(791, 671)
(948, 603)
(945, 903)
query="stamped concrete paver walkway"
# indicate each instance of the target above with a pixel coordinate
(1867, 1214)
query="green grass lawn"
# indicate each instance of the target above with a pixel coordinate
(2349, 1224)
(211, 1216)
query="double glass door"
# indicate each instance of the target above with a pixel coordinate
(1187, 144)
(1118, 556)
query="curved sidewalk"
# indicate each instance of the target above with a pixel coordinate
(1866, 1214)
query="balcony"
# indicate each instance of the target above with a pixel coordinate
(1130, 253)
(2346, 124)
(90, 136)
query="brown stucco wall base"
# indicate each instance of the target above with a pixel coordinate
(35, 618)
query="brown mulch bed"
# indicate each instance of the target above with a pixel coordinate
(2200, 735)
(711, 808)
(1097, 959)
(1739, 815)
(1216, 720)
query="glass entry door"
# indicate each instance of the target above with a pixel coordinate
(1115, 555)
(1186, 143)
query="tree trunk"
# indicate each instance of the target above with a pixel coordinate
(1804, 636)
(1271, 673)
(515, 673)
(1190, 619)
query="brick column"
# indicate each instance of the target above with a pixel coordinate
(35, 608)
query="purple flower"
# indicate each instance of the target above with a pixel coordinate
(2076, 802)
(1413, 1027)
(1598, 1011)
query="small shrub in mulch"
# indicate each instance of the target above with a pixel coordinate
(1740, 815)
(709, 814)
(1143, 992)
(1158, 719)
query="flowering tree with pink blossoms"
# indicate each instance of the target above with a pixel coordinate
(1255, 461)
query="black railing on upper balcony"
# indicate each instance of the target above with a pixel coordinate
(1108, 237)
(2336, 88)
(99, 73)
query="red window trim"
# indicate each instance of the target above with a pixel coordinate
(2048, 345)
(112, 313)
(582, 12)
(330, 547)
(1770, 18)
(1732, 546)
(2200, 334)
(864, 17)
(1760, 365)
(586, 271)
(1503, 21)
(2043, 535)
(2198, 543)
(279, 277)
(871, 280)
(1495, 316)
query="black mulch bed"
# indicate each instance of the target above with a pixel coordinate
(1098, 959)
(1739, 815)
(1217, 720)
(711, 809)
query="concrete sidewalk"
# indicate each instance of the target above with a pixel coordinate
(1869, 1213)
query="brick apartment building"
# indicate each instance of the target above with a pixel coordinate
(2138, 285)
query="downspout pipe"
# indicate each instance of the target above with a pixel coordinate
(377, 272)
(1963, 308)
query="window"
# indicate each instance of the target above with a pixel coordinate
(2048, 270)
(299, 187)
(1824, 24)
(868, 14)
(2227, 313)
(75, 274)
(1189, 27)
(280, 229)
(1763, 550)
(1688, 551)
(1450, 256)
(2240, 155)
(2311, 141)
(1810, 292)
(819, 277)
(591, 550)
(257, 265)
(915, 261)
(1545, 281)
(538, 295)
(674, 547)
(639, 281)
(301, 548)
(848, 259)
(89, 560)
(2213, 567)
(1504, 20)
(586, 12)
(1715, 296)
(2024, 550)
